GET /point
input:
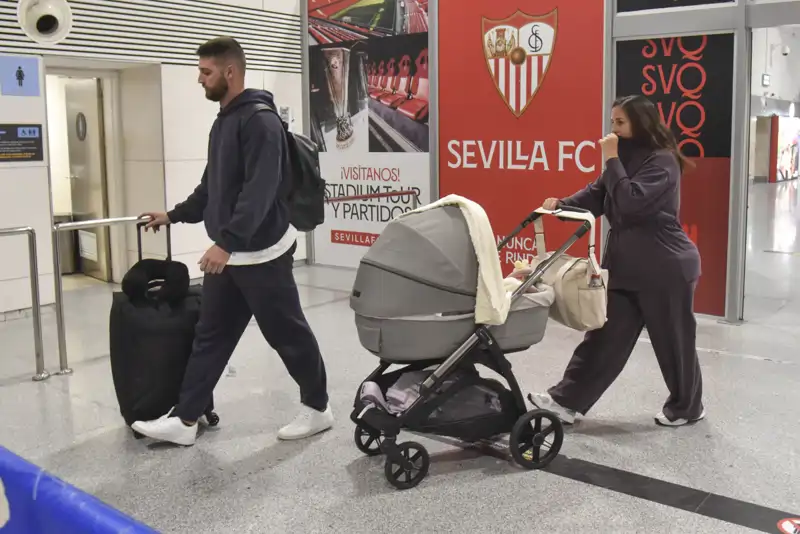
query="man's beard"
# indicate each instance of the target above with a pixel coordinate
(215, 94)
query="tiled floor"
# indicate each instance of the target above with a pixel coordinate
(239, 478)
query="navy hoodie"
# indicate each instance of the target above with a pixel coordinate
(242, 195)
(639, 193)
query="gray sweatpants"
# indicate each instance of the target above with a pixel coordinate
(667, 311)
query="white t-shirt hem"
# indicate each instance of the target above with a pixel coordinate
(264, 256)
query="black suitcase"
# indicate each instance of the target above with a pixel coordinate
(152, 325)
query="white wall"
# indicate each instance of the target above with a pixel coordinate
(281, 6)
(783, 70)
(188, 117)
(25, 201)
(57, 137)
(143, 152)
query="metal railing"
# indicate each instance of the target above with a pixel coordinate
(408, 192)
(63, 361)
(36, 308)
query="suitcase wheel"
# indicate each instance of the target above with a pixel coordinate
(213, 419)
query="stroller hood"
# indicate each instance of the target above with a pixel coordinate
(422, 263)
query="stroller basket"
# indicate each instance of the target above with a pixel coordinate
(414, 300)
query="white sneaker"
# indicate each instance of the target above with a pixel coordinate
(544, 401)
(169, 429)
(307, 424)
(662, 420)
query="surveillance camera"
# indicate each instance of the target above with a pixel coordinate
(785, 51)
(45, 21)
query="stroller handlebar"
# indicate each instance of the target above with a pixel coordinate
(572, 214)
(573, 208)
(568, 212)
(562, 213)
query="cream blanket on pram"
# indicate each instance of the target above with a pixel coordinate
(492, 302)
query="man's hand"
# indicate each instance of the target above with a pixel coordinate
(157, 220)
(214, 260)
(610, 146)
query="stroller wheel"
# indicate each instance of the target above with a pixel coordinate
(367, 442)
(536, 439)
(411, 470)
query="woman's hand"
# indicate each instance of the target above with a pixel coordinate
(521, 274)
(610, 146)
(551, 204)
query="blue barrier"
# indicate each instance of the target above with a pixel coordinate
(35, 502)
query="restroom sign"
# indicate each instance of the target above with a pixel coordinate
(21, 143)
(19, 76)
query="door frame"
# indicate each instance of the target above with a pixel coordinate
(772, 14)
(115, 167)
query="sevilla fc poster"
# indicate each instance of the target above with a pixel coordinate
(520, 109)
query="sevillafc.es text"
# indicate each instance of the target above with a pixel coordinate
(523, 155)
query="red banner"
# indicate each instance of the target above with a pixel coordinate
(520, 107)
(361, 239)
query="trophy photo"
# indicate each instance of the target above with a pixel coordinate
(361, 61)
(337, 73)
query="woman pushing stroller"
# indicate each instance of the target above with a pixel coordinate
(653, 270)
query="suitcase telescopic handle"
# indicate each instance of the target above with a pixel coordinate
(139, 226)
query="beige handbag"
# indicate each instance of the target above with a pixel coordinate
(580, 284)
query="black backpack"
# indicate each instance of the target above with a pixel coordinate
(307, 195)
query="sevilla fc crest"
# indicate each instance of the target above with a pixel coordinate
(518, 53)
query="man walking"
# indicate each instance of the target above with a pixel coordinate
(248, 271)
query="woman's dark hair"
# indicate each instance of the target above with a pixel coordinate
(647, 128)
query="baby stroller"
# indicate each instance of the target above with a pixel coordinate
(414, 299)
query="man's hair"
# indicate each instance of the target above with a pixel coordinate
(225, 48)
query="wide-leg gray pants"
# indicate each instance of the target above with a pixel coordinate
(667, 311)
